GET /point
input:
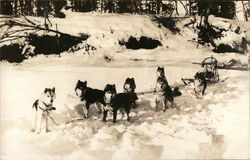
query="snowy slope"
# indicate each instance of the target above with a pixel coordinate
(215, 127)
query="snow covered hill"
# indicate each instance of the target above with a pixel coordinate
(215, 127)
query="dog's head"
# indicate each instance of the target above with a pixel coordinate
(199, 84)
(199, 79)
(160, 72)
(129, 85)
(109, 92)
(48, 95)
(80, 88)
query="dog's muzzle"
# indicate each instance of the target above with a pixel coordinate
(108, 97)
(78, 93)
(127, 88)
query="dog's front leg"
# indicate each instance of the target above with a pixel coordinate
(39, 121)
(47, 122)
(99, 107)
(34, 121)
(114, 115)
(156, 104)
(105, 112)
(122, 112)
(127, 112)
(85, 109)
(164, 105)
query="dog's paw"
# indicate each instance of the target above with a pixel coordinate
(134, 106)
(38, 132)
(47, 130)
(32, 130)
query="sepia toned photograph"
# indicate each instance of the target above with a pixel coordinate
(124, 79)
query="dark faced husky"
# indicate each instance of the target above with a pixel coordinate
(109, 94)
(115, 102)
(89, 96)
(200, 84)
(129, 87)
(42, 108)
(164, 94)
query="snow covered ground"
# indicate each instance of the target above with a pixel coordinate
(215, 127)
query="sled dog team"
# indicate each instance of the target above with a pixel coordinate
(108, 100)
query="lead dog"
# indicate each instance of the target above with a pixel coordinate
(129, 87)
(89, 96)
(116, 102)
(42, 108)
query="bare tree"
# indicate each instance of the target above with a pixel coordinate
(244, 10)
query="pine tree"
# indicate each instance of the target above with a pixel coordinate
(6, 7)
(124, 6)
(57, 6)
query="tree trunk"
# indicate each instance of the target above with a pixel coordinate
(244, 11)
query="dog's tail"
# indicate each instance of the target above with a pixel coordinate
(176, 92)
(35, 104)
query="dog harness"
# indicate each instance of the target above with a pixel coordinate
(48, 107)
(108, 104)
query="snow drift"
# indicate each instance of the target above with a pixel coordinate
(215, 127)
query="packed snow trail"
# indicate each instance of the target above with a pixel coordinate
(195, 129)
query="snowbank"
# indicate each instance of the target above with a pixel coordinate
(210, 128)
(215, 127)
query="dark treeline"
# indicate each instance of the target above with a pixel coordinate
(33, 7)
(225, 8)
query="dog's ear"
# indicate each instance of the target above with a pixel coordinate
(78, 81)
(114, 87)
(105, 88)
(45, 90)
(85, 83)
(127, 79)
(54, 89)
(197, 75)
(134, 85)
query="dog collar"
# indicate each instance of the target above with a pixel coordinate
(47, 105)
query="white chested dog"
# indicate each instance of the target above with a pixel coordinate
(164, 93)
(200, 84)
(42, 108)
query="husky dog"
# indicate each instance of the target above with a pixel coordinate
(129, 87)
(109, 94)
(42, 107)
(200, 84)
(164, 94)
(161, 73)
(116, 102)
(89, 96)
